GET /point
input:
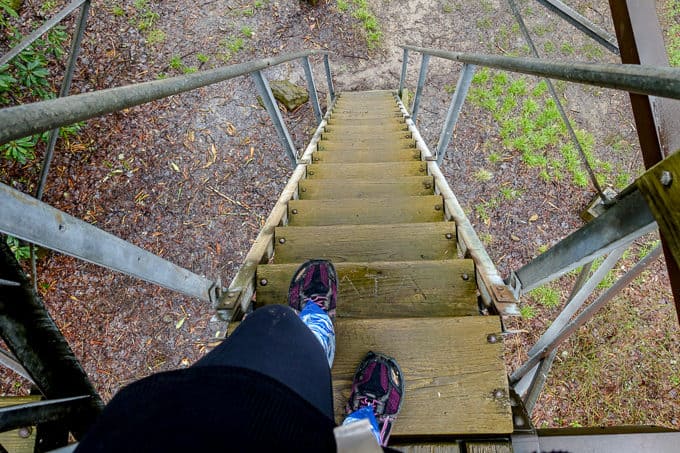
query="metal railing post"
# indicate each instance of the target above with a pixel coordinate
(457, 101)
(402, 78)
(421, 84)
(65, 88)
(329, 77)
(275, 114)
(311, 87)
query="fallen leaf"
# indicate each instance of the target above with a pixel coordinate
(533, 218)
(174, 166)
(514, 238)
(231, 130)
(191, 136)
(180, 323)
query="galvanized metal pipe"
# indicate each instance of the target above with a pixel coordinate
(273, 108)
(30, 39)
(558, 104)
(582, 23)
(34, 221)
(311, 87)
(402, 78)
(457, 101)
(650, 80)
(590, 311)
(329, 79)
(421, 84)
(39, 412)
(29, 119)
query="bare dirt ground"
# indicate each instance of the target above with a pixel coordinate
(192, 178)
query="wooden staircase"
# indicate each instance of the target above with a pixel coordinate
(368, 204)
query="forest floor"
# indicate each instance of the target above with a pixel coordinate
(193, 177)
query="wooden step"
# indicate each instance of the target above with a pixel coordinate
(315, 189)
(361, 128)
(342, 243)
(376, 171)
(451, 372)
(327, 145)
(13, 441)
(386, 289)
(366, 156)
(368, 136)
(365, 211)
(372, 117)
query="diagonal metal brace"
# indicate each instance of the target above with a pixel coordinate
(33, 221)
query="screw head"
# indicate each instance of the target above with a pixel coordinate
(310, 172)
(449, 235)
(492, 338)
(282, 240)
(25, 432)
(438, 207)
(427, 185)
(666, 178)
(498, 393)
(263, 282)
(304, 189)
(294, 211)
(465, 277)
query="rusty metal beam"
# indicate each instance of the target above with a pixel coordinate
(657, 119)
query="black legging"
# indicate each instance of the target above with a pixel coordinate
(275, 342)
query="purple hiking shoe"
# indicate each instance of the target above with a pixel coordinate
(315, 280)
(379, 383)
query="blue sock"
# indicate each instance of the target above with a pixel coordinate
(321, 326)
(365, 412)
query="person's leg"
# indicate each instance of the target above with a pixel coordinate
(275, 342)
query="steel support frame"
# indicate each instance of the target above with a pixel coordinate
(558, 103)
(457, 101)
(36, 222)
(628, 219)
(273, 109)
(46, 411)
(329, 81)
(421, 84)
(402, 77)
(580, 22)
(657, 120)
(311, 87)
(36, 342)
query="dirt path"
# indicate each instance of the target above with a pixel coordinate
(192, 178)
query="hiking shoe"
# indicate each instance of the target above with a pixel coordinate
(315, 281)
(378, 383)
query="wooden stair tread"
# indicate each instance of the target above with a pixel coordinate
(361, 126)
(376, 137)
(450, 370)
(429, 208)
(310, 189)
(367, 170)
(386, 289)
(343, 243)
(366, 156)
(11, 440)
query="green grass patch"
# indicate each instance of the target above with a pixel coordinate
(672, 14)
(530, 126)
(546, 295)
(369, 23)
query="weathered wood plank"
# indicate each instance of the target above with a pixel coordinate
(369, 136)
(11, 440)
(430, 447)
(343, 243)
(368, 210)
(660, 186)
(488, 447)
(382, 170)
(368, 117)
(314, 189)
(450, 371)
(404, 145)
(356, 127)
(364, 156)
(386, 289)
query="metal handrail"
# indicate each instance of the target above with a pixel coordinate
(640, 79)
(28, 119)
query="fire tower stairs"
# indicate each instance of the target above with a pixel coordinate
(368, 204)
